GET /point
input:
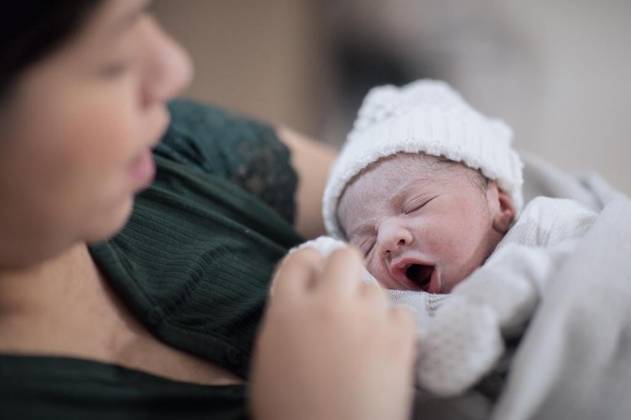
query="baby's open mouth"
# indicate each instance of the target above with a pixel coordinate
(420, 275)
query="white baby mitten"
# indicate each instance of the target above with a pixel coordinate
(462, 344)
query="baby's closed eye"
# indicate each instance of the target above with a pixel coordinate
(416, 203)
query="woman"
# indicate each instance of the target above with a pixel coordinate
(157, 316)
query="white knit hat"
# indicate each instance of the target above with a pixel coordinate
(426, 116)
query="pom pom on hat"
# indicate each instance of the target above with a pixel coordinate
(425, 116)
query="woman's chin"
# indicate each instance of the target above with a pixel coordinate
(113, 222)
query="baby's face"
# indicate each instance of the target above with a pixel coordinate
(421, 226)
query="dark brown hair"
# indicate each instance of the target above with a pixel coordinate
(30, 30)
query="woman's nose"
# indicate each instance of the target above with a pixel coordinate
(393, 236)
(168, 66)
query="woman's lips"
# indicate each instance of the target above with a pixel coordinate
(143, 169)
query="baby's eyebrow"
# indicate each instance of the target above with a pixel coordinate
(398, 198)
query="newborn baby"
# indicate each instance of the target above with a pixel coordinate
(430, 191)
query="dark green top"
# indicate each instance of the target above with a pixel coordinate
(193, 264)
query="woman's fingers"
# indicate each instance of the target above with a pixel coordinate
(341, 274)
(403, 316)
(296, 273)
(349, 352)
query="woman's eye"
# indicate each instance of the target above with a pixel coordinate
(115, 69)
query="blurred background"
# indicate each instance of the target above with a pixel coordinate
(557, 71)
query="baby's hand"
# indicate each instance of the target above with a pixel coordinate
(463, 343)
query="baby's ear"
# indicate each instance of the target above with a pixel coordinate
(501, 206)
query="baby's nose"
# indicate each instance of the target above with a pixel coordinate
(393, 236)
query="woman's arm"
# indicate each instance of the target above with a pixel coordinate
(312, 161)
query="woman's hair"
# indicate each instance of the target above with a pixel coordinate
(30, 30)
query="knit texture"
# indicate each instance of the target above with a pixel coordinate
(428, 117)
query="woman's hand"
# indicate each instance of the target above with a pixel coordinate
(331, 347)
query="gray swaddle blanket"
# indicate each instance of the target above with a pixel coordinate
(574, 360)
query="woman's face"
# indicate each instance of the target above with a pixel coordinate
(423, 227)
(78, 129)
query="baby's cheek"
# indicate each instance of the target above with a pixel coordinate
(450, 236)
(441, 242)
(377, 271)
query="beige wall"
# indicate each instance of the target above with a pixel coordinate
(254, 56)
(565, 87)
(575, 108)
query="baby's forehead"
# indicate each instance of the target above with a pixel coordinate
(380, 180)
(378, 184)
(385, 174)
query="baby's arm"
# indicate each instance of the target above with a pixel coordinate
(466, 336)
(513, 282)
(514, 278)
